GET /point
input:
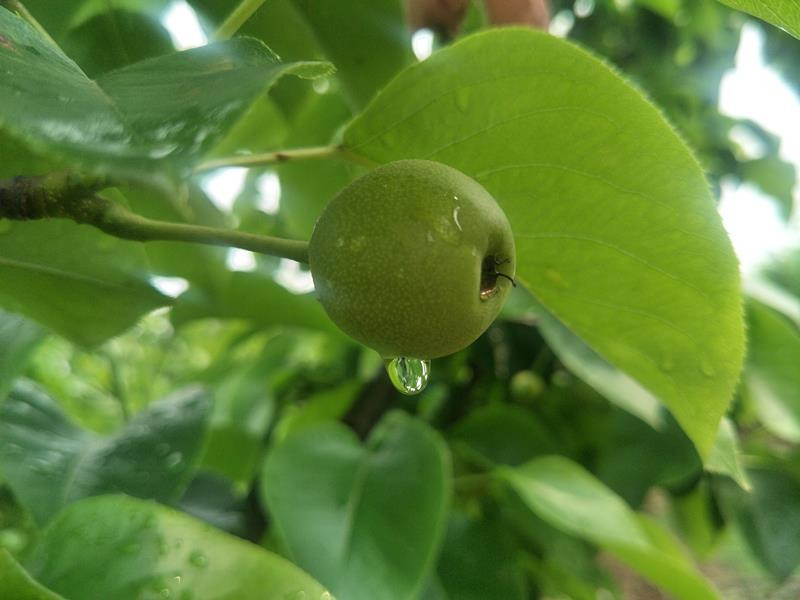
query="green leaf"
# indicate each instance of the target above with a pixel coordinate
(127, 549)
(323, 406)
(616, 232)
(725, 458)
(775, 178)
(781, 13)
(18, 338)
(478, 561)
(139, 119)
(17, 584)
(49, 462)
(769, 516)
(583, 361)
(365, 520)
(771, 374)
(256, 298)
(367, 40)
(504, 433)
(80, 283)
(566, 496)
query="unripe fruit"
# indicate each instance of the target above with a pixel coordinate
(413, 259)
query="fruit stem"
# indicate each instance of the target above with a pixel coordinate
(73, 196)
(237, 18)
(120, 222)
(268, 158)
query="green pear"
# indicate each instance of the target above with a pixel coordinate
(413, 259)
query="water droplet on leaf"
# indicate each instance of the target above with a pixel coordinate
(707, 369)
(408, 375)
(174, 459)
(198, 559)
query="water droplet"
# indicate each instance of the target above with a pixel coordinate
(198, 559)
(455, 218)
(64, 99)
(174, 459)
(339, 242)
(165, 593)
(487, 293)
(326, 595)
(707, 369)
(408, 375)
(162, 449)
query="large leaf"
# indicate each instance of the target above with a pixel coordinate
(49, 462)
(17, 584)
(137, 119)
(772, 374)
(81, 283)
(583, 361)
(18, 338)
(782, 13)
(563, 494)
(616, 232)
(364, 520)
(128, 549)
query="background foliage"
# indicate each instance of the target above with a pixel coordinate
(228, 442)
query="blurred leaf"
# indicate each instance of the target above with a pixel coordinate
(572, 500)
(770, 518)
(636, 457)
(504, 434)
(772, 373)
(479, 562)
(50, 462)
(16, 584)
(115, 38)
(243, 412)
(367, 40)
(775, 178)
(615, 228)
(18, 338)
(256, 298)
(365, 520)
(583, 361)
(81, 283)
(725, 458)
(129, 549)
(781, 13)
(307, 186)
(327, 405)
(138, 119)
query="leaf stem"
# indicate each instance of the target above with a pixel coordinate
(268, 158)
(19, 8)
(237, 18)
